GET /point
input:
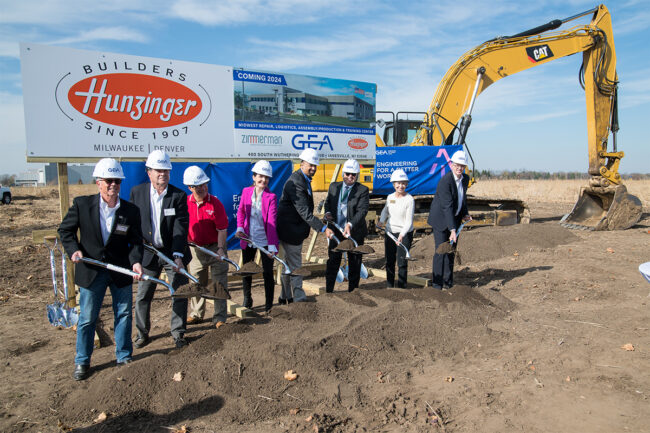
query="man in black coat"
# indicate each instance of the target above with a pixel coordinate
(295, 218)
(109, 231)
(347, 205)
(448, 210)
(165, 221)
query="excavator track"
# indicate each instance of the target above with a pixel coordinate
(485, 211)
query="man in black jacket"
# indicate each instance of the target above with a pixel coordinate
(347, 205)
(448, 210)
(109, 230)
(295, 218)
(165, 221)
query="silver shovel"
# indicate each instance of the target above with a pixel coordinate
(54, 310)
(300, 272)
(215, 255)
(69, 316)
(364, 271)
(358, 249)
(125, 271)
(399, 244)
(448, 247)
(170, 262)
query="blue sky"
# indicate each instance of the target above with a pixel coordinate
(533, 120)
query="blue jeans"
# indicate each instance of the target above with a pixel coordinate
(90, 301)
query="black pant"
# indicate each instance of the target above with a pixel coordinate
(443, 264)
(392, 252)
(334, 262)
(248, 254)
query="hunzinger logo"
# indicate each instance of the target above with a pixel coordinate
(134, 100)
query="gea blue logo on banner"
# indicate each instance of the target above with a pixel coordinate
(302, 141)
(258, 77)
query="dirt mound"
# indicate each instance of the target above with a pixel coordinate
(237, 370)
(482, 244)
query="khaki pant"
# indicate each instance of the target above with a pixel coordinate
(199, 266)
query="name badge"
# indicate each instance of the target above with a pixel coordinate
(392, 201)
(170, 212)
(121, 229)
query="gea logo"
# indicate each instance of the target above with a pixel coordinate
(357, 143)
(134, 100)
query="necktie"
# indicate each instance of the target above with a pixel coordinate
(346, 191)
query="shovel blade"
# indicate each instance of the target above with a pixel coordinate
(54, 315)
(364, 272)
(339, 276)
(363, 249)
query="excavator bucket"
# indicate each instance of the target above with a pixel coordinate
(600, 208)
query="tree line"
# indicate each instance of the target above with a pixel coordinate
(545, 175)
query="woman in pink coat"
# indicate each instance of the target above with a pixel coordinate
(256, 220)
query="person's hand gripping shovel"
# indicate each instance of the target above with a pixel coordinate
(186, 290)
(300, 272)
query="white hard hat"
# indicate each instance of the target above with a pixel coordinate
(159, 160)
(309, 155)
(108, 168)
(459, 157)
(263, 167)
(399, 175)
(351, 166)
(194, 176)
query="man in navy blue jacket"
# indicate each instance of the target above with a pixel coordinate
(448, 210)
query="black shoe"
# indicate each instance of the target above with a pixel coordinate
(436, 287)
(181, 342)
(123, 363)
(282, 301)
(81, 372)
(140, 342)
(290, 301)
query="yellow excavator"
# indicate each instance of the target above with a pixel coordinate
(604, 203)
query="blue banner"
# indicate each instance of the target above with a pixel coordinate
(424, 165)
(258, 77)
(227, 180)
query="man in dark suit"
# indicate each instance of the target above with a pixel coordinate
(347, 205)
(448, 210)
(295, 218)
(165, 221)
(109, 230)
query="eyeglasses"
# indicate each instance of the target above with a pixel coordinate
(110, 181)
(349, 174)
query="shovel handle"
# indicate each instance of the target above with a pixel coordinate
(390, 235)
(125, 271)
(458, 232)
(213, 254)
(170, 262)
(341, 230)
(267, 252)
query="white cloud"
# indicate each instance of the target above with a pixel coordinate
(230, 12)
(315, 51)
(106, 34)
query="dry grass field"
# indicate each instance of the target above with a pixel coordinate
(557, 191)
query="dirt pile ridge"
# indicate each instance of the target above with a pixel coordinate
(337, 347)
(482, 244)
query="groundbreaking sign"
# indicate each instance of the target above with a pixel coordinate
(84, 104)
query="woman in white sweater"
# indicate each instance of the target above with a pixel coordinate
(397, 218)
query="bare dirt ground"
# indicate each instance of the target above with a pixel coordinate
(529, 339)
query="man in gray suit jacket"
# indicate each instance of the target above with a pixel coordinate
(347, 204)
(448, 210)
(295, 218)
(165, 221)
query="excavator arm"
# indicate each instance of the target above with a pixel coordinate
(604, 204)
